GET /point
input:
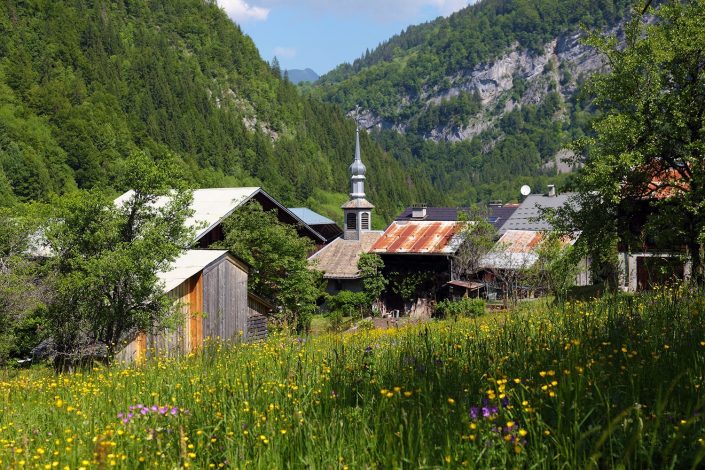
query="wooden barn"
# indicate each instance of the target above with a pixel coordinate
(210, 287)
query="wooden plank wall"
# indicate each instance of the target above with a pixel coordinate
(184, 338)
(225, 301)
(256, 320)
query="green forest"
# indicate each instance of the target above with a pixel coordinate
(85, 83)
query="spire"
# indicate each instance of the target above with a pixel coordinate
(357, 169)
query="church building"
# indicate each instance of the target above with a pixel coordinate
(338, 260)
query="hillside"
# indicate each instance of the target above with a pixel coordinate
(483, 97)
(297, 76)
(83, 83)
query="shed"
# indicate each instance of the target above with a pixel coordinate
(210, 286)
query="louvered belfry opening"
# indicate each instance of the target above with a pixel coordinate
(351, 222)
(365, 225)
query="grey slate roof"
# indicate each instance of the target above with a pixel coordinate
(527, 215)
(497, 216)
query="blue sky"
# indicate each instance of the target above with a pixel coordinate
(321, 34)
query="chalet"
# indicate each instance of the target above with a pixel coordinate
(212, 206)
(423, 248)
(210, 289)
(520, 237)
(517, 251)
(338, 260)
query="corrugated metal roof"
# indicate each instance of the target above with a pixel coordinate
(338, 260)
(516, 249)
(419, 237)
(191, 262)
(310, 217)
(528, 215)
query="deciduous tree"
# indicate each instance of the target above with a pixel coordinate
(105, 259)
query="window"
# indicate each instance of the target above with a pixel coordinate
(365, 225)
(351, 222)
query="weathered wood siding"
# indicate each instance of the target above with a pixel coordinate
(256, 319)
(186, 337)
(225, 301)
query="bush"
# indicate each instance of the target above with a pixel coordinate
(349, 304)
(465, 307)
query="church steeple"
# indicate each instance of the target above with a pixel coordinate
(357, 211)
(357, 171)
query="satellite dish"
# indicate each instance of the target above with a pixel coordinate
(525, 190)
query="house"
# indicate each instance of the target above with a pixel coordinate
(213, 205)
(420, 248)
(423, 241)
(338, 260)
(528, 216)
(644, 259)
(321, 224)
(210, 289)
(515, 252)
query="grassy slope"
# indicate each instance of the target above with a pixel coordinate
(614, 382)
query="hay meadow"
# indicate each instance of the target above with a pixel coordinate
(616, 382)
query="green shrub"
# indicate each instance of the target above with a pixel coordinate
(465, 307)
(349, 304)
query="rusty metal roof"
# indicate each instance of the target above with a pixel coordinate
(419, 237)
(516, 249)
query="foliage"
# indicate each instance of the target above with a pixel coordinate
(278, 257)
(409, 285)
(105, 260)
(350, 304)
(22, 289)
(373, 281)
(512, 272)
(465, 307)
(644, 168)
(572, 384)
(83, 84)
(477, 238)
(557, 266)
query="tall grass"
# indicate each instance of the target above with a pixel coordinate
(616, 382)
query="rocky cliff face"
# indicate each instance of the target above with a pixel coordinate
(563, 64)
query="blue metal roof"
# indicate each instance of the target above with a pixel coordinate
(310, 217)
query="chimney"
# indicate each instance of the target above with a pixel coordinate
(418, 211)
(551, 190)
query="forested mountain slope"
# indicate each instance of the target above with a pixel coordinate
(481, 101)
(83, 83)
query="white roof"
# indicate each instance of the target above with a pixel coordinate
(189, 263)
(210, 206)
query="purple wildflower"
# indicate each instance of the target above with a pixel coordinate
(474, 412)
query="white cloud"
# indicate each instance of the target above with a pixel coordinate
(241, 11)
(285, 52)
(376, 9)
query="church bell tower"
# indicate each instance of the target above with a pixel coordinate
(357, 212)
